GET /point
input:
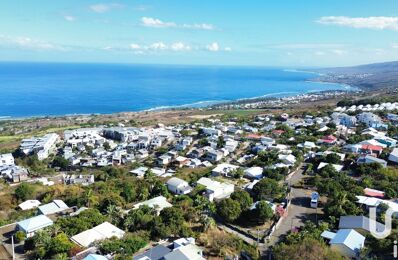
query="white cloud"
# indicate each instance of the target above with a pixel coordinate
(394, 45)
(320, 53)
(179, 46)
(295, 46)
(135, 46)
(103, 8)
(213, 47)
(175, 47)
(202, 26)
(158, 46)
(29, 44)
(70, 18)
(374, 22)
(152, 22)
(157, 23)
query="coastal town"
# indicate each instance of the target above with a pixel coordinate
(223, 186)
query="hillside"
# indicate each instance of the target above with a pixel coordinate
(370, 76)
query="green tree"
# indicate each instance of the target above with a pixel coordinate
(60, 162)
(243, 198)
(173, 219)
(263, 211)
(24, 191)
(268, 188)
(229, 209)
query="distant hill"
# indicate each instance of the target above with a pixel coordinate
(370, 76)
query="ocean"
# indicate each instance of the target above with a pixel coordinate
(45, 89)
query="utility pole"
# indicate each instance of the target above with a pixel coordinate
(13, 250)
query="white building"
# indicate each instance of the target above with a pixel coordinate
(6, 160)
(224, 169)
(216, 190)
(101, 232)
(42, 146)
(159, 203)
(369, 119)
(254, 173)
(178, 186)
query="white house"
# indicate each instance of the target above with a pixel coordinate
(337, 167)
(347, 242)
(53, 207)
(254, 173)
(159, 203)
(178, 186)
(29, 204)
(393, 155)
(101, 232)
(224, 169)
(6, 160)
(288, 159)
(216, 190)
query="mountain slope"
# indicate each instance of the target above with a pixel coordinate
(370, 76)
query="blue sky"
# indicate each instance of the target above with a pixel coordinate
(288, 33)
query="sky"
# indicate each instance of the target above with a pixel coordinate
(284, 33)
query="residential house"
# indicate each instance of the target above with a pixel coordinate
(214, 155)
(31, 225)
(140, 171)
(359, 223)
(374, 193)
(371, 149)
(224, 169)
(54, 207)
(347, 242)
(371, 159)
(178, 186)
(288, 159)
(216, 190)
(328, 140)
(29, 204)
(254, 173)
(6, 160)
(393, 157)
(98, 233)
(159, 203)
(337, 167)
(79, 179)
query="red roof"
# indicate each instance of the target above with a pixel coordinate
(329, 138)
(373, 193)
(278, 132)
(372, 147)
(254, 136)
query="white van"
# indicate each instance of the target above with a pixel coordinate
(314, 199)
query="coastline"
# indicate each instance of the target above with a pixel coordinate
(202, 105)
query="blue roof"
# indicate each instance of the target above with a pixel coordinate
(350, 238)
(328, 235)
(32, 224)
(95, 257)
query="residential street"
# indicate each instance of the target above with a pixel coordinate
(298, 212)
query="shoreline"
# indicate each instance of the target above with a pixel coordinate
(200, 105)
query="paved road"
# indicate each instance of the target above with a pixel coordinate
(299, 210)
